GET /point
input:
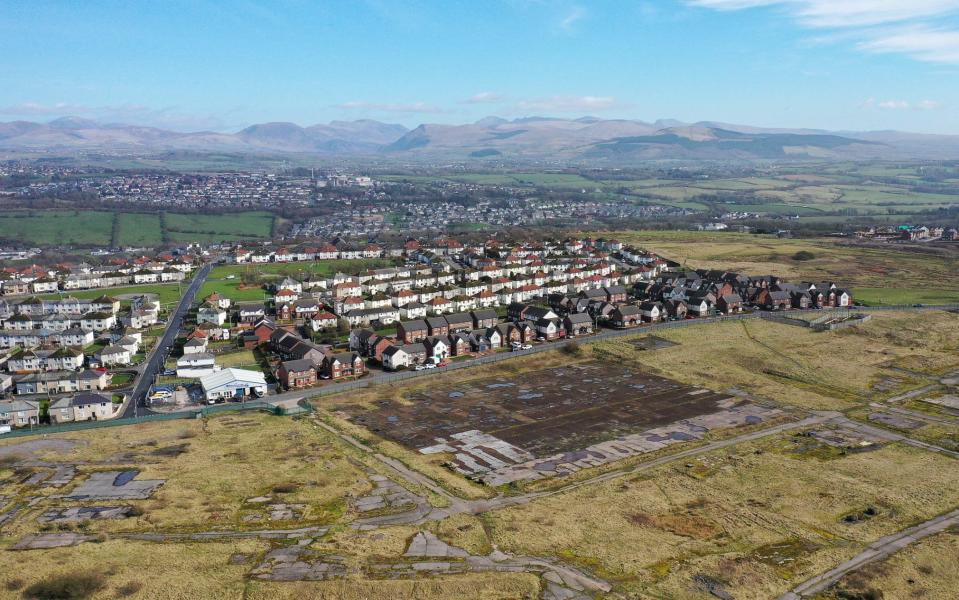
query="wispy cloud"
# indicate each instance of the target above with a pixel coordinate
(395, 107)
(569, 104)
(909, 27)
(485, 98)
(894, 104)
(574, 15)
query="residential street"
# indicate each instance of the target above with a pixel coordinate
(154, 363)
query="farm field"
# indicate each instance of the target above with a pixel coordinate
(49, 227)
(95, 228)
(893, 273)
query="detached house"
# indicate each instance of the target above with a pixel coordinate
(625, 316)
(343, 364)
(297, 373)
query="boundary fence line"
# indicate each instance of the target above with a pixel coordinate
(388, 378)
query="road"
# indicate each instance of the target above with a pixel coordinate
(154, 362)
(878, 550)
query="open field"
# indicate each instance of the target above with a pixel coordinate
(925, 570)
(95, 227)
(733, 519)
(228, 227)
(229, 279)
(49, 227)
(801, 367)
(167, 293)
(891, 273)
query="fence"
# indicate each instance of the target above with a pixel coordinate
(300, 408)
(388, 378)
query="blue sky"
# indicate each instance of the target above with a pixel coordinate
(836, 64)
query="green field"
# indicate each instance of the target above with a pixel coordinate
(185, 228)
(228, 279)
(51, 227)
(167, 293)
(139, 229)
(96, 228)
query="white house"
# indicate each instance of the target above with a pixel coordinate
(114, 355)
(196, 365)
(233, 384)
(211, 314)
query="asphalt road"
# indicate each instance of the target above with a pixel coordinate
(154, 364)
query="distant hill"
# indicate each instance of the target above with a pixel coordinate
(587, 139)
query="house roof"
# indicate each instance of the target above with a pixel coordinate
(230, 375)
(297, 366)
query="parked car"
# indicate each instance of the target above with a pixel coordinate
(419, 368)
(527, 346)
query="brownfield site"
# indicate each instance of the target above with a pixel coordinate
(544, 411)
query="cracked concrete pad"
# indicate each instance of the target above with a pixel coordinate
(103, 486)
(50, 540)
(425, 543)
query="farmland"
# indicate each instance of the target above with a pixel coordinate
(103, 228)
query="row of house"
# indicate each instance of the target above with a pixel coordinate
(34, 279)
(84, 406)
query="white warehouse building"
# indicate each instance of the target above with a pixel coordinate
(233, 384)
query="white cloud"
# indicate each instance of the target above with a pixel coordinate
(921, 105)
(572, 104)
(572, 17)
(398, 107)
(883, 26)
(484, 98)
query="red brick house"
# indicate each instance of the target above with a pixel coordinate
(296, 373)
(343, 364)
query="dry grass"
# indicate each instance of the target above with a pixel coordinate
(924, 570)
(652, 533)
(489, 586)
(835, 371)
(871, 267)
(162, 571)
(212, 466)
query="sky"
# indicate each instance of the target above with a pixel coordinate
(847, 65)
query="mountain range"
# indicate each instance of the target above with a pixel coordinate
(586, 139)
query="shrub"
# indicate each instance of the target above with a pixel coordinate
(572, 349)
(70, 586)
(804, 255)
(285, 488)
(128, 589)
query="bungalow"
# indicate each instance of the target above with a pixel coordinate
(296, 373)
(626, 315)
(343, 364)
(578, 324)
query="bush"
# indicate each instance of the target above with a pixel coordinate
(72, 586)
(128, 589)
(804, 255)
(572, 349)
(285, 488)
